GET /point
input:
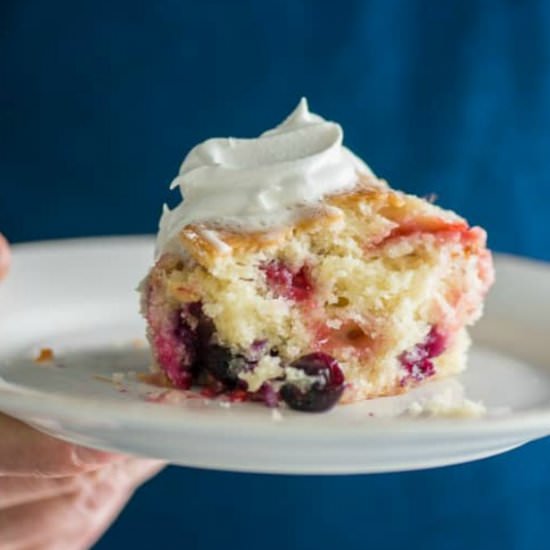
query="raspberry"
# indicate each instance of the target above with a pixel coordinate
(288, 284)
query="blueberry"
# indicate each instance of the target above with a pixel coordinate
(323, 393)
(217, 361)
(268, 395)
(204, 326)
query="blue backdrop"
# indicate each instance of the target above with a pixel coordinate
(101, 100)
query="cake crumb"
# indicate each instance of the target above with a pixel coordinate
(102, 378)
(441, 406)
(156, 397)
(225, 404)
(45, 355)
(276, 415)
(118, 377)
(139, 343)
(154, 378)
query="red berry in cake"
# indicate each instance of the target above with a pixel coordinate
(288, 284)
(418, 361)
(211, 392)
(435, 343)
(238, 396)
(301, 285)
(173, 344)
(268, 395)
(324, 389)
(418, 369)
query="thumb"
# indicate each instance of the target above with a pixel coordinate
(5, 256)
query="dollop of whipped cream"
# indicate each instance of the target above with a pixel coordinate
(264, 182)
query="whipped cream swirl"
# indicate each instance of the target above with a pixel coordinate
(256, 184)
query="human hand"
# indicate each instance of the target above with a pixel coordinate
(55, 495)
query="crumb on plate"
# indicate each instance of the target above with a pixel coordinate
(440, 406)
(45, 355)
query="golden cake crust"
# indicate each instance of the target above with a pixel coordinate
(208, 243)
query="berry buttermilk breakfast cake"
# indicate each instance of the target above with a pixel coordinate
(291, 273)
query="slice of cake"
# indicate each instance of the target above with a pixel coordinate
(291, 273)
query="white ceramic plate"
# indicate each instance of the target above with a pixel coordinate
(77, 297)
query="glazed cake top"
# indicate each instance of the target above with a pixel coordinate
(371, 212)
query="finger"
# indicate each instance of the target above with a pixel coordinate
(25, 451)
(18, 490)
(130, 473)
(128, 477)
(5, 256)
(55, 519)
(81, 516)
(82, 539)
